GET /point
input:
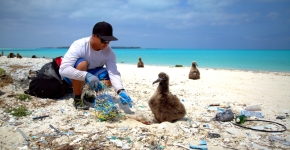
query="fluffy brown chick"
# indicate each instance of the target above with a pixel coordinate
(194, 72)
(140, 63)
(164, 105)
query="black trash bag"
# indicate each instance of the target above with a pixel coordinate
(48, 83)
(225, 116)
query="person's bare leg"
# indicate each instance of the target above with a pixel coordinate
(107, 83)
(77, 84)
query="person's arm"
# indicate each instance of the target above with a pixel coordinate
(116, 81)
(67, 65)
(114, 74)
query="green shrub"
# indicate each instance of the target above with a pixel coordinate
(23, 97)
(4, 78)
(18, 112)
(178, 65)
(2, 72)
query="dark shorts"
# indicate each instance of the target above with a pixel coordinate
(100, 72)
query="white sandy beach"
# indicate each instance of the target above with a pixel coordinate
(233, 88)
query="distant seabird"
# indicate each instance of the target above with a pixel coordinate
(164, 105)
(11, 55)
(18, 55)
(140, 63)
(194, 72)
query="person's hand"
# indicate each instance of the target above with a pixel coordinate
(94, 82)
(125, 98)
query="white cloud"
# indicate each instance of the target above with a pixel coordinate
(153, 4)
(137, 17)
(163, 13)
(209, 5)
(273, 15)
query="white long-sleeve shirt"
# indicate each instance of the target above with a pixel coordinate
(82, 49)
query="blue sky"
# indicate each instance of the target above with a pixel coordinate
(193, 24)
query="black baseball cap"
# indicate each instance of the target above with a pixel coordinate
(104, 30)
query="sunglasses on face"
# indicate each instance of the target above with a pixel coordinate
(103, 41)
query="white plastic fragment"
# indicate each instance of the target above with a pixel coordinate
(256, 146)
(185, 129)
(118, 143)
(75, 141)
(126, 146)
(177, 144)
(162, 125)
(23, 148)
(280, 139)
(248, 113)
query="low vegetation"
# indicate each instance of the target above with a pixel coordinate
(2, 72)
(178, 65)
(18, 112)
(23, 97)
(5, 79)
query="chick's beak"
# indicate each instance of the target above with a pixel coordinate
(158, 80)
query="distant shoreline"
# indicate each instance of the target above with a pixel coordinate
(115, 47)
(273, 61)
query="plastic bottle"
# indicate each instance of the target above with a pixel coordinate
(240, 119)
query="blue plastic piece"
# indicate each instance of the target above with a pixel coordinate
(201, 146)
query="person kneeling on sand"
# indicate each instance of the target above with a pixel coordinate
(84, 62)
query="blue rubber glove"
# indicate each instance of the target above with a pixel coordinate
(125, 98)
(94, 82)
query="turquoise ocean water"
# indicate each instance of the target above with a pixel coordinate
(252, 60)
